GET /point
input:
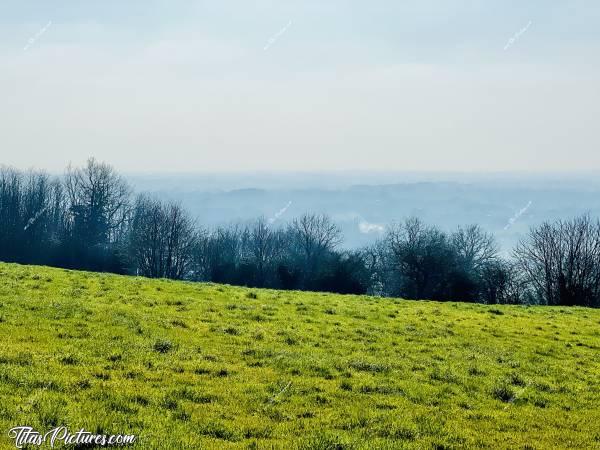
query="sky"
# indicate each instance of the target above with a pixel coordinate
(312, 85)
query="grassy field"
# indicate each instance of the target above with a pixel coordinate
(186, 365)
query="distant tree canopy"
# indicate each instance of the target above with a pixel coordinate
(88, 219)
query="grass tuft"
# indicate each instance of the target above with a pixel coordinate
(163, 346)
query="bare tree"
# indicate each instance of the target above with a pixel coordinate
(147, 241)
(98, 202)
(561, 261)
(422, 257)
(501, 282)
(11, 193)
(380, 264)
(474, 247)
(162, 239)
(180, 239)
(31, 212)
(262, 247)
(314, 236)
(218, 253)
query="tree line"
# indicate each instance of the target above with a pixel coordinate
(89, 219)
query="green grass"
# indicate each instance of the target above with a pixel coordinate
(188, 365)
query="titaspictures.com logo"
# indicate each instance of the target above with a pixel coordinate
(28, 436)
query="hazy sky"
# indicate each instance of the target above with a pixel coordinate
(171, 85)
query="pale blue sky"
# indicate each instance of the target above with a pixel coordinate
(396, 85)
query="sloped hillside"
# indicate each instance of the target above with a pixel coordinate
(186, 365)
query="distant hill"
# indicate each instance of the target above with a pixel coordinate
(363, 204)
(189, 365)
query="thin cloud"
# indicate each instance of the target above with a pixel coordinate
(367, 228)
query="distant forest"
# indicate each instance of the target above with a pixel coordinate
(89, 219)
